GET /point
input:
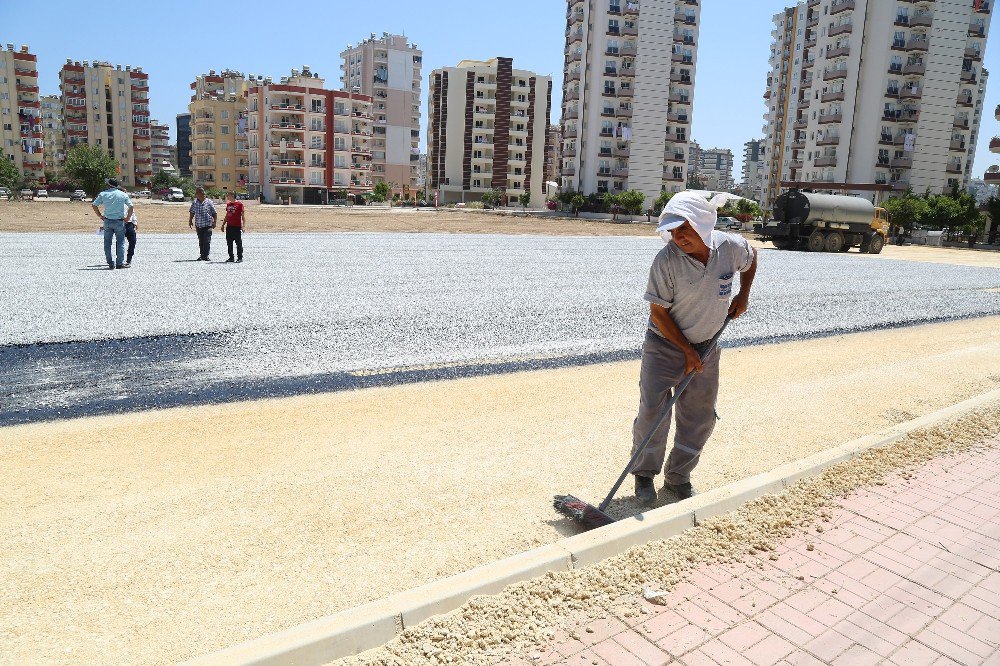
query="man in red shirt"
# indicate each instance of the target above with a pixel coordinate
(233, 225)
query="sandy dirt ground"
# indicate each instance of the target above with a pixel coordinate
(162, 535)
(160, 217)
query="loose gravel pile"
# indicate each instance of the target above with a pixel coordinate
(528, 614)
(321, 312)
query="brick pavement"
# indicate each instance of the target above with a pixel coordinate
(904, 573)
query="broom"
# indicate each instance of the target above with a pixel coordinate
(590, 516)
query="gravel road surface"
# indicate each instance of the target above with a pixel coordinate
(324, 311)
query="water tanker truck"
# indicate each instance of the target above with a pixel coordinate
(825, 223)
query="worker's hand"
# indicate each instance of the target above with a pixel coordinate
(223, 228)
(191, 224)
(738, 306)
(692, 361)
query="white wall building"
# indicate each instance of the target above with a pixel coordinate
(487, 128)
(884, 93)
(628, 93)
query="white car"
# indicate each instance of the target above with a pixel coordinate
(143, 193)
(4, 193)
(728, 223)
(44, 194)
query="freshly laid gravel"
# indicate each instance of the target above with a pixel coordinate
(316, 312)
(528, 614)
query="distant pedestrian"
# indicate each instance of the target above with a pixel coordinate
(130, 227)
(202, 219)
(233, 225)
(117, 209)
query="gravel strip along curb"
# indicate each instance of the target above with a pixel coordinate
(371, 625)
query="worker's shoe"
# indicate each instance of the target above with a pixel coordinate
(681, 491)
(645, 491)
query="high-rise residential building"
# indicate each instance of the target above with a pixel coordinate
(882, 94)
(107, 105)
(627, 94)
(753, 169)
(694, 160)
(307, 143)
(160, 147)
(183, 147)
(487, 126)
(53, 137)
(387, 69)
(21, 133)
(219, 155)
(715, 168)
(553, 144)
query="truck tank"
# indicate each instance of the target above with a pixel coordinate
(806, 208)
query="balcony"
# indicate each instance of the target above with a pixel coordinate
(830, 118)
(572, 114)
(838, 6)
(899, 185)
(976, 30)
(801, 123)
(288, 127)
(834, 74)
(621, 151)
(574, 56)
(922, 20)
(623, 113)
(838, 52)
(909, 116)
(626, 73)
(834, 96)
(809, 63)
(829, 140)
(970, 52)
(795, 164)
(806, 82)
(569, 151)
(287, 181)
(953, 168)
(674, 157)
(677, 98)
(961, 123)
(629, 51)
(295, 164)
(295, 108)
(825, 161)
(901, 162)
(842, 29)
(992, 176)
(914, 68)
(911, 92)
(995, 144)
(917, 44)
(630, 31)
(572, 95)
(569, 170)
(569, 133)
(959, 146)
(798, 144)
(625, 92)
(620, 172)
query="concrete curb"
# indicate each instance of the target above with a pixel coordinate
(365, 627)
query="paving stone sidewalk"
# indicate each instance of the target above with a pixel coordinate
(904, 573)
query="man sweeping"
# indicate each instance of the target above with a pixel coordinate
(689, 291)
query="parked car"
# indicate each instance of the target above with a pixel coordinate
(78, 195)
(27, 194)
(44, 194)
(143, 193)
(174, 194)
(4, 193)
(728, 223)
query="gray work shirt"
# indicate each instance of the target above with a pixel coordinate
(698, 296)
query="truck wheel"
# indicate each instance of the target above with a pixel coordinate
(834, 241)
(816, 241)
(845, 247)
(781, 243)
(876, 244)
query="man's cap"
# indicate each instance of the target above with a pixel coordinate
(113, 182)
(670, 221)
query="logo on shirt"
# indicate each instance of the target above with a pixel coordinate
(726, 285)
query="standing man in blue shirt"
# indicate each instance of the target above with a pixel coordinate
(117, 209)
(202, 219)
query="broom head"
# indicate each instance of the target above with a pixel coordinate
(587, 515)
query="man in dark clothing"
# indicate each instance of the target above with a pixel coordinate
(233, 225)
(202, 219)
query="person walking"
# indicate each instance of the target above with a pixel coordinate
(689, 290)
(130, 226)
(117, 209)
(234, 224)
(202, 218)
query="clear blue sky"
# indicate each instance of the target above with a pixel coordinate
(183, 40)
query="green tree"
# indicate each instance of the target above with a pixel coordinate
(632, 201)
(214, 192)
(661, 201)
(907, 210)
(162, 180)
(491, 198)
(694, 183)
(577, 201)
(747, 210)
(90, 166)
(993, 210)
(524, 198)
(10, 177)
(381, 191)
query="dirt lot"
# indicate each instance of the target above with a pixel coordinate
(160, 217)
(161, 535)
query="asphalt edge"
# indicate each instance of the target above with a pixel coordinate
(371, 625)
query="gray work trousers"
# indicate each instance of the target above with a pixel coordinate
(662, 370)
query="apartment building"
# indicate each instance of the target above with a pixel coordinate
(219, 151)
(553, 146)
(715, 168)
(694, 160)
(183, 162)
(881, 94)
(160, 147)
(305, 140)
(487, 127)
(628, 93)
(21, 134)
(53, 134)
(108, 106)
(387, 69)
(753, 169)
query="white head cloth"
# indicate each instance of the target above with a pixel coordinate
(692, 206)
